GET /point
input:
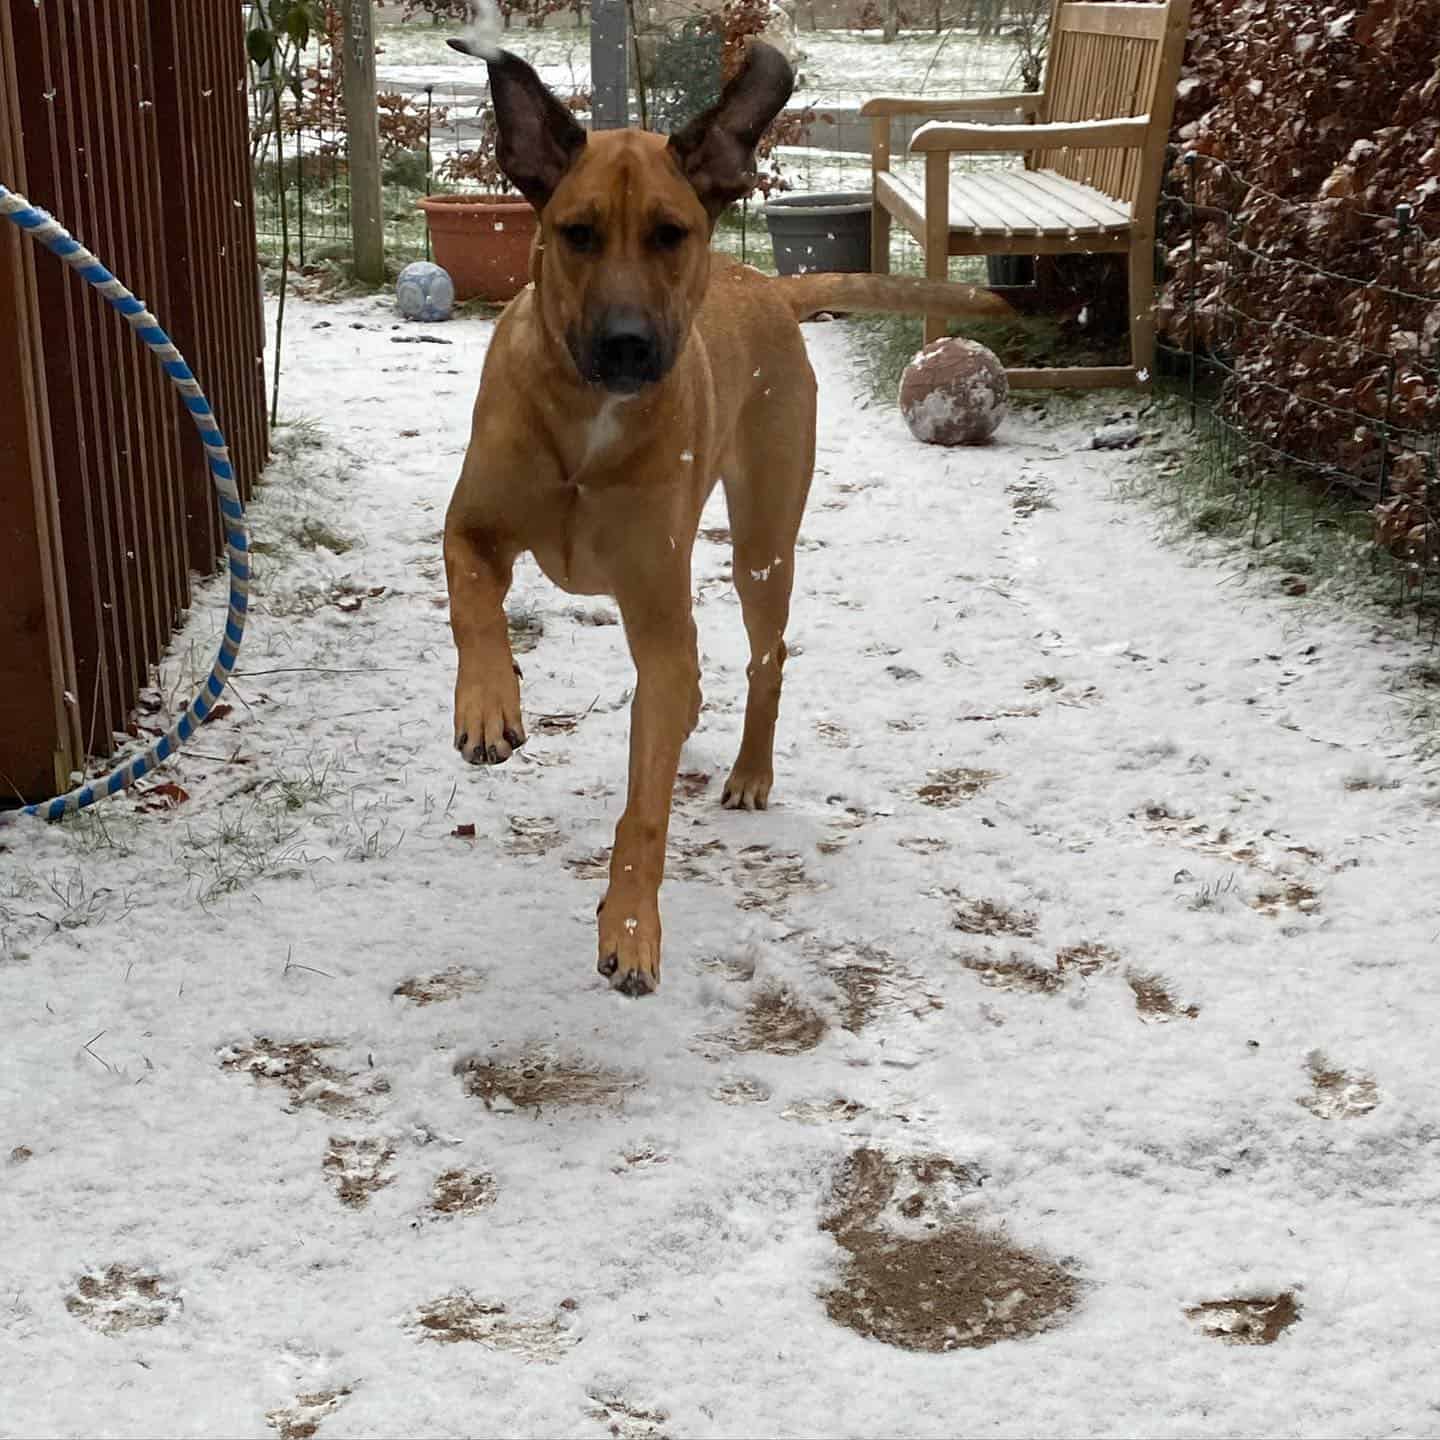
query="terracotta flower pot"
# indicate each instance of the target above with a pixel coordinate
(483, 241)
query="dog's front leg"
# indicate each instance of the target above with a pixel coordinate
(478, 566)
(661, 632)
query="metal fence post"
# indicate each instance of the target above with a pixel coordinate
(299, 181)
(1190, 159)
(429, 154)
(1404, 215)
(609, 65)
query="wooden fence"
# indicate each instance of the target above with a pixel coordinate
(127, 119)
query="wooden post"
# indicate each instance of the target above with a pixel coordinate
(609, 65)
(362, 125)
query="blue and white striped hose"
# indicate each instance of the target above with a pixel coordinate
(45, 229)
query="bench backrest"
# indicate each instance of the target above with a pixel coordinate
(1107, 60)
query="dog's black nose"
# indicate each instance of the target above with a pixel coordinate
(625, 351)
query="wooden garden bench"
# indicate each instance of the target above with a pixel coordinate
(1093, 138)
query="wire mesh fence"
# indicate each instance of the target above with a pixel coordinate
(1299, 365)
(437, 128)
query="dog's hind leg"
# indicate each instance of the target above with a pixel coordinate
(766, 499)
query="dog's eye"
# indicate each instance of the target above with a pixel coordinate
(668, 236)
(582, 239)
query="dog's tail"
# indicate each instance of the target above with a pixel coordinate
(808, 295)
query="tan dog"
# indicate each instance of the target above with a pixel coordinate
(633, 374)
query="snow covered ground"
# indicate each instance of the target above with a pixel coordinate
(1067, 1024)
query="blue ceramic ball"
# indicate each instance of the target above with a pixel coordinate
(425, 292)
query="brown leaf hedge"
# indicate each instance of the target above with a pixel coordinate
(1310, 124)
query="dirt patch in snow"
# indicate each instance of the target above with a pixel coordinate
(823, 1112)
(771, 877)
(870, 980)
(920, 1276)
(461, 1318)
(527, 629)
(1259, 1320)
(462, 1192)
(989, 917)
(121, 1298)
(1014, 972)
(741, 1090)
(540, 1082)
(1336, 1095)
(301, 1420)
(592, 865)
(1086, 958)
(863, 984)
(779, 1023)
(1153, 1000)
(624, 1419)
(1267, 854)
(688, 859)
(691, 784)
(533, 835)
(1292, 895)
(356, 1169)
(297, 1068)
(595, 615)
(1013, 712)
(1029, 494)
(640, 1156)
(945, 788)
(444, 985)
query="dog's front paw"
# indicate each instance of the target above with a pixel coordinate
(748, 788)
(629, 943)
(488, 727)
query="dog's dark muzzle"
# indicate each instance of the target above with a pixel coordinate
(622, 350)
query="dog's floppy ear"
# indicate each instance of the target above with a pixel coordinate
(538, 138)
(716, 150)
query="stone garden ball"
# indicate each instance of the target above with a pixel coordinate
(954, 392)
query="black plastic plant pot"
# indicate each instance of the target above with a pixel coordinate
(1010, 269)
(820, 232)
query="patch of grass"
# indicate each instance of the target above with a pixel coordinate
(1279, 525)
(245, 844)
(1208, 481)
(885, 345)
(295, 435)
(313, 533)
(103, 828)
(298, 789)
(63, 900)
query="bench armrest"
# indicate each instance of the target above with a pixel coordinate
(1028, 103)
(1128, 132)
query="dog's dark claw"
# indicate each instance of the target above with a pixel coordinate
(513, 740)
(610, 964)
(519, 673)
(635, 984)
(462, 740)
(492, 755)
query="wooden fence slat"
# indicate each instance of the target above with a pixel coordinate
(38, 730)
(68, 362)
(132, 116)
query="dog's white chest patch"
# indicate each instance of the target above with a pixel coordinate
(604, 428)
